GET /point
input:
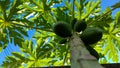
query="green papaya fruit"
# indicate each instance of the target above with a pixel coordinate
(80, 26)
(93, 52)
(91, 35)
(62, 29)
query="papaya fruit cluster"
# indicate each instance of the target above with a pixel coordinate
(62, 29)
(89, 35)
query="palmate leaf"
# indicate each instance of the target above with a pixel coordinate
(10, 30)
(25, 44)
(80, 7)
(13, 9)
(112, 37)
(7, 64)
(30, 64)
(86, 9)
(18, 55)
(43, 62)
(16, 36)
(30, 19)
(117, 19)
(44, 51)
(3, 6)
(115, 58)
(22, 24)
(5, 3)
(8, 10)
(68, 6)
(18, 41)
(1, 47)
(113, 30)
(112, 44)
(48, 20)
(117, 5)
(28, 48)
(40, 42)
(32, 9)
(91, 7)
(37, 3)
(103, 21)
(39, 63)
(61, 15)
(42, 6)
(39, 52)
(3, 40)
(21, 31)
(116, 41)
(4, 24)
(42, 21)
(11, 59)
(48, 48)
(11, 64)
(110, 50)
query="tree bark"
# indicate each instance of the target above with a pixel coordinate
(80, 56)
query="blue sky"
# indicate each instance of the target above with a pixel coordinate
(12, 48)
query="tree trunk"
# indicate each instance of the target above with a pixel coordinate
(80, 56)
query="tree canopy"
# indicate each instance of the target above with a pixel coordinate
(17, 17)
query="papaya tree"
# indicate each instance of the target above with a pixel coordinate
(54, 43)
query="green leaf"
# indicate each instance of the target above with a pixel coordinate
(21, 31)
(103, 61)
(26, 5)
(18, 41)
(5, 64)
(1, 48)
(11, 58)
(110, 54)
(111, 27)
(13, 8)
(115, 31)
(117, 41)
(117, 18)
(116, 5)
(30, 64)
(92, 8)
(39, 41)
(61, 15)
(115, 58)
(4, 5)
(3, 40)
(30, 46)
(43, 62)
(36, 3)
(25, 44)
(107, 46)
(18, 55)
